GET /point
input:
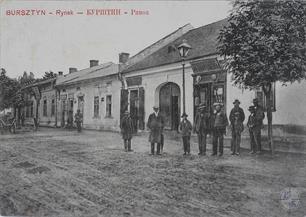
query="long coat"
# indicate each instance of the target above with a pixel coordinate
(220, 121)
(126, 126)
(252, 124)
(259, 116)
(185, 128)
(78, 118)
(156, 126)
(201, 124)
(241, 115)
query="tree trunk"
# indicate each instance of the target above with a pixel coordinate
(268, 91)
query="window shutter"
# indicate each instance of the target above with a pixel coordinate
(123, 102)
(259, 94)
(141, 108)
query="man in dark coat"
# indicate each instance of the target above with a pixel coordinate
(234, 110)
(201, 127)
(127, 129)
(78, 118)
(259, 117)
(185, 128)
(70, 119)
(237, 128)
(155, 125)
(219, 129)
(254, 130)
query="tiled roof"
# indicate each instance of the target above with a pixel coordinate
(88, 73)
(203, 41)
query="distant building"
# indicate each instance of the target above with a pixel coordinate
(95, 91)
(40, 103)
(156, 79)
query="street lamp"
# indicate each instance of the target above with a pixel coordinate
(183, 51)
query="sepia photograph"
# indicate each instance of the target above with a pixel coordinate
(135, 108)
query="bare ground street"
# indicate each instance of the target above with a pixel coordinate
(62, 173)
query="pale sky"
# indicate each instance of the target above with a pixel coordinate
(42, 43)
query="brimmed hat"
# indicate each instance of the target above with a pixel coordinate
(201, 106)
(184, 115)
(156, 107)
(218, 103)
(236, 101)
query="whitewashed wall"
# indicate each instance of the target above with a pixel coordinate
(290, 102)
(46, 120)
(154, 79)
(90, 90)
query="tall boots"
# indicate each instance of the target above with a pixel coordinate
(127, 145)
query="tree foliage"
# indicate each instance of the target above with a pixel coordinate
(49, 74)
(264, 42)
(12, 92)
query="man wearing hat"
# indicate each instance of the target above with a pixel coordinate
(254, 130)
(126, 126)
(241, 119)
(259, 117)
(237, 128)
(185, 128)
(219, 129)
(155, 125)
(201, 127)
(78, 119)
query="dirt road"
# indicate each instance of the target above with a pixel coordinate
(63, 173)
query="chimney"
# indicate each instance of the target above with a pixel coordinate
(123, 57)
(71, 70)
(60, 73)
(93, 63)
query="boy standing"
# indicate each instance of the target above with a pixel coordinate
(185, 128)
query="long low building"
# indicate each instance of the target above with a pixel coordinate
(152, 77)
(95, 92)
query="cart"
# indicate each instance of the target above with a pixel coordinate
(9, 125)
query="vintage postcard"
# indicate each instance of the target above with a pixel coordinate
(153, 108)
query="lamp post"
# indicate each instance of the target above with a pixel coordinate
(183, 51)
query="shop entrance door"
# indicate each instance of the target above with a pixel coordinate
(169, 103)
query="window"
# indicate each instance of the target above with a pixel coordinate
(108, 106)
(259, 94)
(218, 94)
(45, 108)
(96, 106)
(52, 107)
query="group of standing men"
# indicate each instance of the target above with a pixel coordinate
(155, 125)
(206, 123)
(254, 124)
(215, 124)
